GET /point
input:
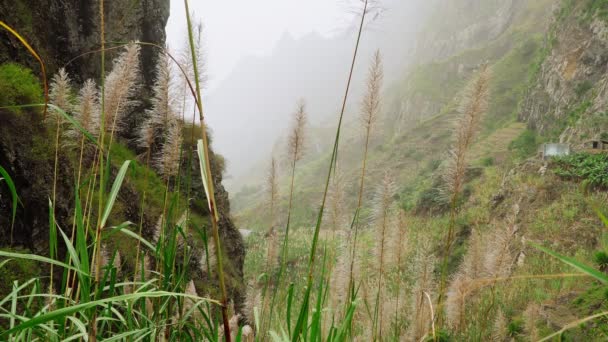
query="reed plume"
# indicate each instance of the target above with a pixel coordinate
(471, 268)
(370, 109)
(336, 199)
(399, 248)
(531, 317)
(190, 304)
(297, 136)
(272, 190)
(500, 257)
(207, 260)
(500, 330)
(473, 106)
(169, 159)
(162, 113)
(382, 220)
(59, 94)
(424, 264)
(120, 86)
(87, 110)
(295, 151)
(371, 105)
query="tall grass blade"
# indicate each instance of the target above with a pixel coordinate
(602, 277)
(205, 176)
(35, 54)
(38, 258)
(66, 311)
(14, 197)
(120, 177)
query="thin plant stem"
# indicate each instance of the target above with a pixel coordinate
(212, 204)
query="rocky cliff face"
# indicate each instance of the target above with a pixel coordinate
(66, 33)
(62, 30)
(465, 24)
(568, 101)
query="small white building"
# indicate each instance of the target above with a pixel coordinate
(553, 150)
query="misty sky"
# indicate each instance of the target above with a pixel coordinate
(240, 28)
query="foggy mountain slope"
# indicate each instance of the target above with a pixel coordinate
(419, 105)
(256, 101)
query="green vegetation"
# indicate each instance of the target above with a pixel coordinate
(444, 236)
(589, 168)
(597, 8)
(525, 145)
(18, 85)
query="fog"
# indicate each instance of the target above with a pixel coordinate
(265, 56)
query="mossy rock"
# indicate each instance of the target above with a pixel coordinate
(18, 86)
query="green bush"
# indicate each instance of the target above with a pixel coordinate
(18, 85)
(525, 145)
(590, 168)
(601, 259)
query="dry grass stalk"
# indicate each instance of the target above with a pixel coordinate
(369, 112)
(399, 249)
(424, 265)
(336, 198)
(382, 220)
(59, 96)
(272, 239)
(473, 106)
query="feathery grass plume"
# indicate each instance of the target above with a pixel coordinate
(471, 268)
(59, 96)
(120, 86)
(339, 275)
(160, 115)
(424, 265)
(158, 228)
(500, 330)
(531, 317)
(86, 111)
(60, 93)
(369, 112)
(169, 159)
(383, 208)
(253, 302)
(371, 105)
(117, 263)
(185, 56)
(500, 258)
(473, 106)
(399, 249)
(297, 136)
(337, 208)
(455, 304)
(102, 258)
(295, 151)
(272, 189)
(190, 303)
